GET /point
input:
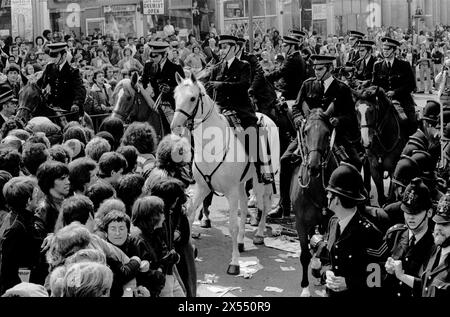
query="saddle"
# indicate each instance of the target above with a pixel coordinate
(233, 120)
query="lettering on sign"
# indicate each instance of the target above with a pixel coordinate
(153, 7)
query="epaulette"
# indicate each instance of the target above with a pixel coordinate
(310, 79)
(378, 61)
(397, 227)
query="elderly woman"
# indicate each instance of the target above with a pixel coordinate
(443, 84)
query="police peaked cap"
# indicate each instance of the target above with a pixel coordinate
(390, 42)
(12, 67)
(416, 197)
(322, 59)
(240, 41)
(6, 94)
(227, 39)
(356, 34)
(298, 34)
(159, 47)
(57, 47)
(291, 40)
(365, 43)
(443, 210)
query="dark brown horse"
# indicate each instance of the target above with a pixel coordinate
(383, 136)
(133, 103)
(308, 184)
(33, 103)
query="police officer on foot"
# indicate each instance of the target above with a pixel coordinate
(354, 246)
(412, 241)
(396, 77)
(63, 83)
(435, 279)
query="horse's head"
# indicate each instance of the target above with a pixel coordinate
(124, 97)
(317, 132)
(31, 98)
(368, 112)
(190, 101)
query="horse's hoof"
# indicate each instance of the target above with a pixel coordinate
(241, 247)
(258, 240)
(206, 223)
(233, 269)
(305, 292)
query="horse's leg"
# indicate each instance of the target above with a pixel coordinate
(377, 176)
(367, 176)
(263, 195)
(199, 194)
(233, 200)
(242, 206)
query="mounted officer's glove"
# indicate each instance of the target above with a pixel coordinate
(164, 88)
(75, 108)
(298, 123)
(334, 121)
(212, 85)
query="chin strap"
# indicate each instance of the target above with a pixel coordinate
(424, 218)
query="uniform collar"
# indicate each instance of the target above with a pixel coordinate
(62, 65)
(230, 61)
(417, 236)
(327, 83)
(344, 222)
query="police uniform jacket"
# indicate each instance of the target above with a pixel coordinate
(14, 87)
(156, 77)
(264, 93)
(66, 85)
(344, 107)
(293, 73)
(412, 257)
(435, 279)
(353, 56)
(232, 90)
(351, 254)
(400, 79)
(364, 69)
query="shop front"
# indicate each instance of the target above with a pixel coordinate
(5, 18)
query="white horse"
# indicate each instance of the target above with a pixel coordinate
(220, 161)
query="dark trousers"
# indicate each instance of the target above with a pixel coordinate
(288, 162)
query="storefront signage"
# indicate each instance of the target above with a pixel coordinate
(319, 11)
(22, 19)
(153, 7)
(119, 8)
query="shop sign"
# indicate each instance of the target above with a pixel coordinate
(319, 11)
(154, 7)
(119, 8)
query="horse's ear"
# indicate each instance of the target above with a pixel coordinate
(24, 79)
(178, 78)
(134, 80)
(193, 78)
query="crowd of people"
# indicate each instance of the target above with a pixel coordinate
(103, 213)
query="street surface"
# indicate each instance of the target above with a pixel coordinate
(214, 254)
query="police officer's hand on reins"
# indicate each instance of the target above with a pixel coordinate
(164, 88)
(75, 108)
(390, 94)
(334, 121)
(212, 84)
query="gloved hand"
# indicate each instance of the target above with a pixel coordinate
(171, 258)
(298, 123)
(334, 121)
(212, 85)
(75, 108)
(164, 88)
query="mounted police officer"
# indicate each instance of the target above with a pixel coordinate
(397, 79)
(411, 241)
(321, 92)
(364, 65)
(435, 276)
(352, 244)
(63, 83)
(160, 72)
(299, 35)
(228, 85)
(293, 71)
(353, 55)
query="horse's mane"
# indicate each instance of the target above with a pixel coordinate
(317, 114)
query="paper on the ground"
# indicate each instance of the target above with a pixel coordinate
(249, 266)
(273, 289)
(283, 244)
(209, 279)
(276, 229)
(248, 244)
(221, 290)
(287, 268)
(198, 259)
(280, 261)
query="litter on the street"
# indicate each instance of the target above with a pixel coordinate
(280, 261)
(273, 289)
(198, 259)
(287, 269)
(249, 266)
(209, 279)
(283, 244)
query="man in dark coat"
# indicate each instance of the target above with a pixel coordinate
(435, 276)
(160, 72)
(354, 37)
(364, 65)
(323, 91)
(228, 84)
(8, 104)
(412, 241)
(13, 79)
(293, 70)
(353, 247)
(63, 83)
(397, 79)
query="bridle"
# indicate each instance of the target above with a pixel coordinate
(191, 116)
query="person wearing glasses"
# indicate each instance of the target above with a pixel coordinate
(396, 77)
(292, 73)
